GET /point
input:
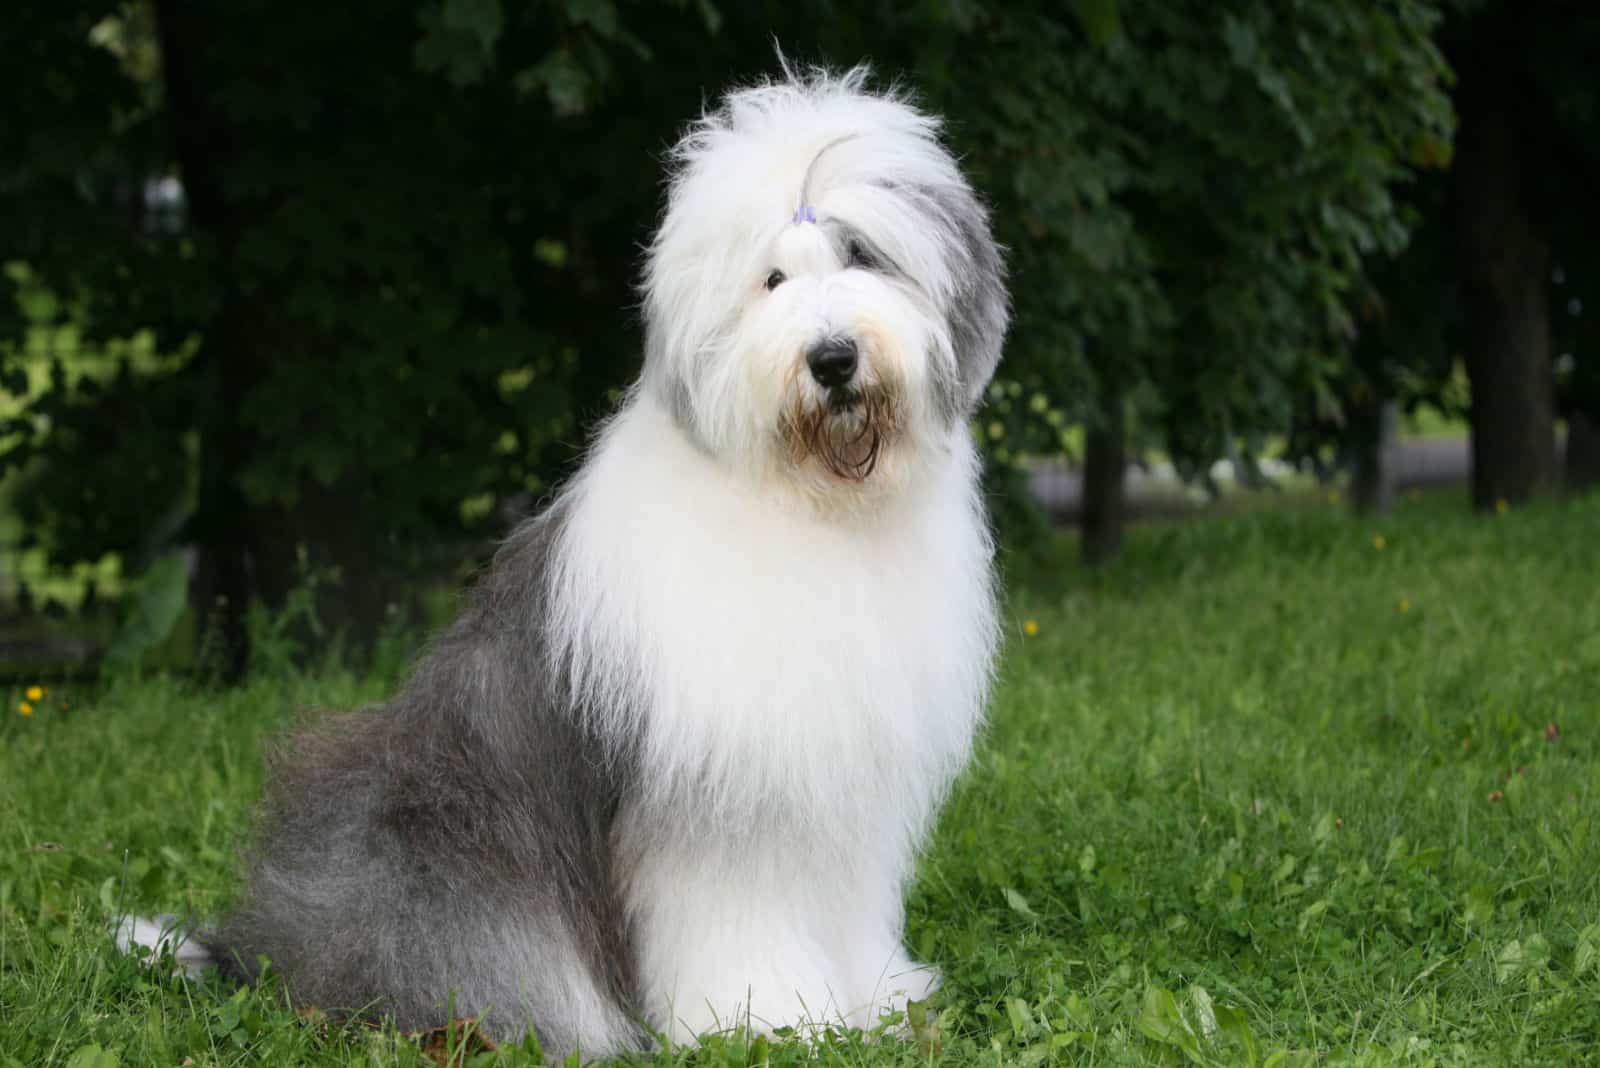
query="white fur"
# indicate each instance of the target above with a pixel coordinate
(803, 689)
(740, 175)
(797, 662)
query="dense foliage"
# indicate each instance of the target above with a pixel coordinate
(1192, 195)
(395, 290)
(1193, 198)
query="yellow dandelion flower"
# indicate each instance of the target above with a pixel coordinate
(25, 708)
(1379, 541)
(35, 693)
(1502, 506)
(1030, 628)
(1405, 604)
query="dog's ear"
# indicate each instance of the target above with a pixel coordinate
(980, 307)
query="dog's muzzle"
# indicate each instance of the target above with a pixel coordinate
(848, 420)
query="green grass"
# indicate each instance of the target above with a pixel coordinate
(1235, 806)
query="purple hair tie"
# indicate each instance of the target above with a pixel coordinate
(805, 214)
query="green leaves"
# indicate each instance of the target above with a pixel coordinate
(561, 79)
(1522, 959)
(1019, 904)
(92, 1056)
(1161, 1020)
(458, 38)
(1586, 958)
(1100, 19)
(1202, 1030)
(1190, 197)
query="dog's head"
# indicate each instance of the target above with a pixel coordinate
(823, 300)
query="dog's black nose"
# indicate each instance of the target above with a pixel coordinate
(832, 361)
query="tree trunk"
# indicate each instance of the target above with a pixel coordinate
(1506, 274)
(1105, 465)
(249, 549)
(1372, 481)
(1583, 453)
(223, 526)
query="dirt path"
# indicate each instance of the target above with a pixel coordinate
(1156, 491)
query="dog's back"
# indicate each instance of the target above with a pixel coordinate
(451, 843)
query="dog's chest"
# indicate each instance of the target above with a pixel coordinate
(777, 645)
(771, 653)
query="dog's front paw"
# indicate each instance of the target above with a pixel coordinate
(763, 996)
(890, 991)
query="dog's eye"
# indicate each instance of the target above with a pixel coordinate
(859, 257)
(776, 279)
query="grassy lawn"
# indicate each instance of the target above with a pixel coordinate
(1286, 788)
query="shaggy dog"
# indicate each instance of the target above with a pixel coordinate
(670, 769)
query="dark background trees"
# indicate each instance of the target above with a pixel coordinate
(1520, 191)
(396, 293)
(338, 290)
(1501, 272)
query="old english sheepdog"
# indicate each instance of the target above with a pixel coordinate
(670, 769)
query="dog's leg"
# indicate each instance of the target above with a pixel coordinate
(771, 938)
(733, 938)
(729, 961)
(758, 981)
(895, 981)
(878, 973)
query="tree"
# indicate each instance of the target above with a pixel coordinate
(390, 299)
(1504, 265)
(1578, 384)
(1192, 196)
(385, 309)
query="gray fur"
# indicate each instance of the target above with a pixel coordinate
(457, 839)
(981, 309)
(842, 235)
(948, 390)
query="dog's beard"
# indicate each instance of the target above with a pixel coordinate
(845, 430)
